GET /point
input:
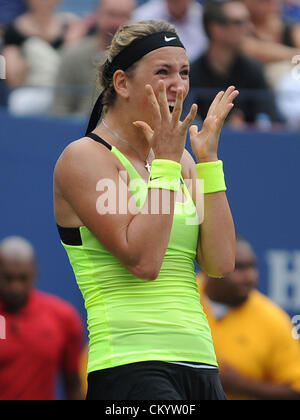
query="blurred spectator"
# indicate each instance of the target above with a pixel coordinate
(258, 357)
(185, 15)
(268, 26)
(272, 40)
(83, 369)
(77, 74)
(43, 334)
(32, 46)
(287, 92)
(226, 24)
(3, 87)
(10, 9)
(3, 94)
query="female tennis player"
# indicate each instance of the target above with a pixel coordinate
(148, 336)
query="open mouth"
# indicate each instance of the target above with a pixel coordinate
(171, 107)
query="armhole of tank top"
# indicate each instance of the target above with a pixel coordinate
(70, 235)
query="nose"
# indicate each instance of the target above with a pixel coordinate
(176, 82)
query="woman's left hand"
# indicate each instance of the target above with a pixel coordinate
(205, 142)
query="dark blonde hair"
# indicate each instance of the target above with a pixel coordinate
(124, 37)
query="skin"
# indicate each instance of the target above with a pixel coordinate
(141, 115)
(230, 36)
(267, 47)
(234, 291)
(178, 8)
(110, 16)
(40, 21)
(17, 278)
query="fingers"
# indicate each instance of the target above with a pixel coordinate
(146, 129)
(154, 105)
(229, 96)
(222, 99)
(213, 107)
(163, 101)
(190, 117)
(176, 114)
(226, 103)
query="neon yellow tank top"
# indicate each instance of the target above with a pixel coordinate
(132, 319)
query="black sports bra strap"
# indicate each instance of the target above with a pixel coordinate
(99, 140)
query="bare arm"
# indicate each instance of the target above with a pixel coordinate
(237, 384)
(296, 36)
(216, 246)
(268, 52)
(16, 67)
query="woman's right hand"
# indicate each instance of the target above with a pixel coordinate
(167, 137)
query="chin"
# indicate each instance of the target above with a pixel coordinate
(239, 300)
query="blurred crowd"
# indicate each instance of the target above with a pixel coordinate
(50, 50)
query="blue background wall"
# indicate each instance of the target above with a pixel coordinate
(262, 174)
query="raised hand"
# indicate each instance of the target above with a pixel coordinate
(167, 136)
(205, 143)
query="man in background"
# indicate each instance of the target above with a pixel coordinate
(227, 23)
(43, 334)
(185, 15)
(77, 74)
(257, 354)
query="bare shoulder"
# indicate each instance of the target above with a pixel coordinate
(76, 175)
(83, 157)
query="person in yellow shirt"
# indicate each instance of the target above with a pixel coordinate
(257, 354)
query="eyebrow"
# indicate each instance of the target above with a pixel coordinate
(169, 66)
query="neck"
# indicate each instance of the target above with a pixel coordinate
(220, 57)
(127, 131)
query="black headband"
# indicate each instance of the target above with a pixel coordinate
(130, 55)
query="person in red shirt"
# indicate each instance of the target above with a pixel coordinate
(41, 336)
